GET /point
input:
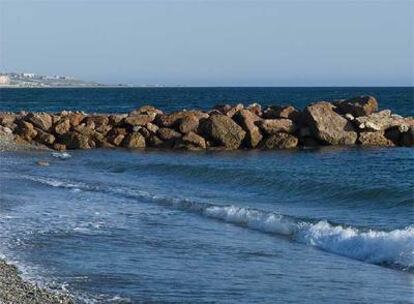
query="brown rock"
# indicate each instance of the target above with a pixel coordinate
(147, 109)
(97, 120)
(171, 120)
(155, 141)
(116, 136)
(26, 130)
(383, 120)
(222, 130)
(255, 108)
(151, 127)
(328, 126)
(134, 140)
(280, 141)
(376, 138)
(247, 119)
(273, 126)
(188, 124)
(117, 120)
(168, 134)
(75, 118)
(59, 147)
(44, 137)
(191, 141)
(74, 140)
(358, 106)
(288, 112)
(42, 121)
(84, 129)
(233, 110)
(139, 119)
(62, 126)
(7, 119)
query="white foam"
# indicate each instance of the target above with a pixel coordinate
(61, 155)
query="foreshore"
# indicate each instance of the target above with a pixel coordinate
(354, 121)
(14, 290)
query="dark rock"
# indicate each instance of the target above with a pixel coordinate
(59, 147)
(134, 140)
(288, 112)
(75, 140)
(222, 130)
(358, 106)
(247, 119)
(42, 121)
(116, 136)
(168, 134)
(280, 141)
(328, 126)
(117, 120)
(407, 138)
(44, 137)
(191, 141)
(26, 130)
(188, 124)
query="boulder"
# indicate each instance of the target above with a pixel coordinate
(97, 120)
(75, 140)
(62, 126)
(134, 140)
(59, 147)
(155, 141)
(255, 108)
(151, 127)
(139, 119)
(171, 120)
(358, 106)
(75, 118)
(147, 109)
(222, 130)
(383, 120)
(26, 130)
(84, 129)
(7, 120)
(280, 141)
(188, 124)
(42, 121)
(328, 126)
(273, 126)
(191, 141)
(247, 120)
(116, 136)
(288, 112)
(44, 137)
(375, 138)
(233, 110)
(168, 134)
(117, 120)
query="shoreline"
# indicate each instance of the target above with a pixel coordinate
(14, 289)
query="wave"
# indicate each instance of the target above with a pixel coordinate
(393, 249)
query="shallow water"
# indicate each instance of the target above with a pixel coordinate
(311, 226)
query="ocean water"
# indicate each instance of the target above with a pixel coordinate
(325, 225)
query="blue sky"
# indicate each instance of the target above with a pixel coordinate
(216, 43)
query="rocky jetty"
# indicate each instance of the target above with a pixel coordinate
(354, 121)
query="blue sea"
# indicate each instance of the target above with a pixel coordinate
(323, 225)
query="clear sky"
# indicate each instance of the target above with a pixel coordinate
(217, 43)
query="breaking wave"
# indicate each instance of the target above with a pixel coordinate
(393, 249)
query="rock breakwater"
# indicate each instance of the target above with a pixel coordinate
(354, 121)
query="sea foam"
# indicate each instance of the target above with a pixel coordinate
(389, 248)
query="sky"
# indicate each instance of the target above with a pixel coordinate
(212, 43)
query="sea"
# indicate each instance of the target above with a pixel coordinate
(317, 225)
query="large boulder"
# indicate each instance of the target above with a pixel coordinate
(42, 121)
(75, 140)
(375, 138)
(280, 141)
(44, 137)
(287, 112)
(383, 120)
(188, 124)
(168, 134)
(407, 138)
(247, 119)
(116, 120)
(134, 140)
(75, 118)
(139, 119)
(358, 106)
(328, 126)
(172, 120)
(26, 130)
(191, 141)
(97, 120)
(62, 126)
(223, 131)
(147, 109)
(116, 136)
(8, 120)
(273, 126)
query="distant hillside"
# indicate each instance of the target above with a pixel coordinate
(31, 80)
